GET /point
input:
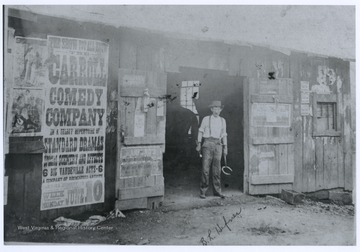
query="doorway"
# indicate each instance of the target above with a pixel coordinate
(189, 92)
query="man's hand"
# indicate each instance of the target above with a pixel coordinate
(225, 150)
(198, 147)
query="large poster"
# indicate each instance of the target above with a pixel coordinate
(75, 123)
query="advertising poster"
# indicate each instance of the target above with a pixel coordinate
(26, 111)
(29, 64)
(271, 115)
(75, 123)
(305, 109)
(305, 97)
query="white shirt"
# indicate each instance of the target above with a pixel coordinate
(217, 129)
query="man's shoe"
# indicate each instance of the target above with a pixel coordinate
(202, 196)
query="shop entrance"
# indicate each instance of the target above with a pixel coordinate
(189, 93)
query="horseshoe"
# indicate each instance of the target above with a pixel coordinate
(226, 167)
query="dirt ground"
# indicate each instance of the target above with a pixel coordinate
(185, 219)
(236, 220)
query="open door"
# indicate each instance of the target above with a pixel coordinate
(269, 136)
(141, 139)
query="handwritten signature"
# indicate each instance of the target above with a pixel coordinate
(219, 228)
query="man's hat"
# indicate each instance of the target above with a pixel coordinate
(216, 104)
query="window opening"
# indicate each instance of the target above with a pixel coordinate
(326, 116)
(190, 90)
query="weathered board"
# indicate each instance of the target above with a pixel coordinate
(270, 136)
(326, 149)
(141, 138)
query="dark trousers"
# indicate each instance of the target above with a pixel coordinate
(211, 157)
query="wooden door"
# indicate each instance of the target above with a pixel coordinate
(269, 136)
(141, 139)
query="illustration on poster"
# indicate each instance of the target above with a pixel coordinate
(32, 64)
(29, 59)
(26, 110)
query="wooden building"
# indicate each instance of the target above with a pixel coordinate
(289, 115)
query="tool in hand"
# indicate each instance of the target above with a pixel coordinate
(226, 167)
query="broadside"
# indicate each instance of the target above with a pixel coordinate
(75, 123)
(270, 115)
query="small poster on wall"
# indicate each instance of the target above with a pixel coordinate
(305, 97)
(305, 109)
(29, 66)
(270, 115)
(27, 107)
(304, 86)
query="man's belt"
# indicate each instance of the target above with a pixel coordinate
(213, 140)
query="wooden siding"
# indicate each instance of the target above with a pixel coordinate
(322, 164)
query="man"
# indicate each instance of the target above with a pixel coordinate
(213, 130)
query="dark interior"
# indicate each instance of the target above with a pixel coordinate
(182, 164)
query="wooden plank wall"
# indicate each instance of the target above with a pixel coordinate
(139, 172)
(247, 159)
(323, 162)
(342, 69)
(297, 61)
(279, 157)
(316, 167)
